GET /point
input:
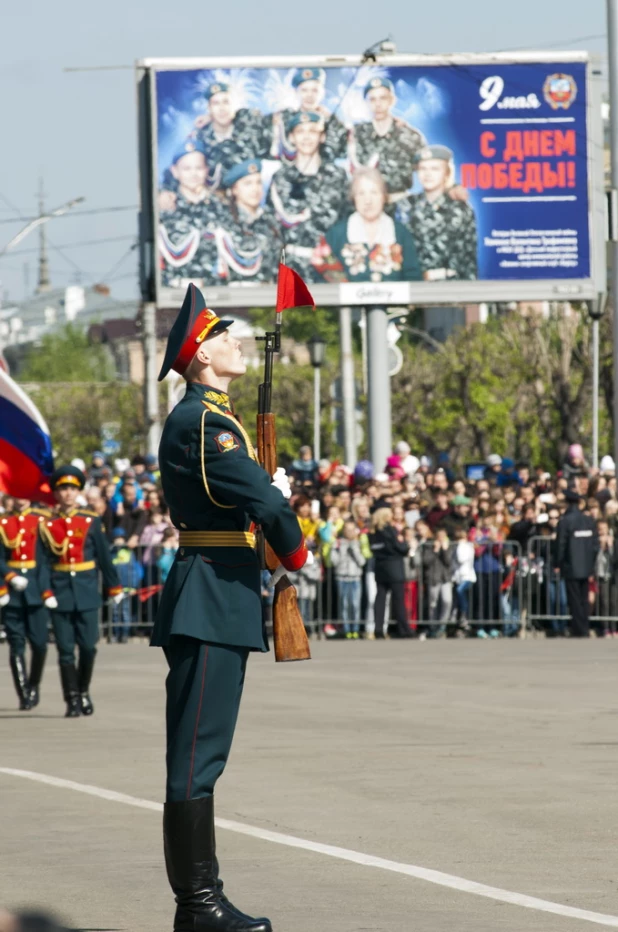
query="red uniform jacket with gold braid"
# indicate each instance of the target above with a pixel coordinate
(22, 553)
(78, 552)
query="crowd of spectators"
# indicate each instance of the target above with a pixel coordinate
(417, 549)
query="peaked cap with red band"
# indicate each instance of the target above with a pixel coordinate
(195, 322)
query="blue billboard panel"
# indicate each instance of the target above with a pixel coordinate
(435, 175)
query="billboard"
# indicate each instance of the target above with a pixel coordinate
(411, 179)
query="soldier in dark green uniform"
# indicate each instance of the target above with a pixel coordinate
(387, 142)
(230, 135)
(188, 217)
(78, 550)
(249, 243)
(443, 227)
(310, 87)
(309, 194)
(210, 616)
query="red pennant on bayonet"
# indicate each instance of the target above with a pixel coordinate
(292, 291)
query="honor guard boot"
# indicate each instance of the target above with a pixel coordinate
(36, 672)
(84, 676)
(68, 676)
(193, 872)
(20, 679)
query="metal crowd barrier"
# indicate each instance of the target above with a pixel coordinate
(515, 592)
(546, 598)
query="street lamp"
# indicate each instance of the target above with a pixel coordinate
(317, 352)
(596, 309)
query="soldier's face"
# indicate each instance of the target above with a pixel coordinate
(221, 109)
(248, 191)
(310, 94)
(66, 495)
(368, 199)
(191, 171)
(380, 101)
(22, 503)
(307, 138)
(432, 174)
(225, 353)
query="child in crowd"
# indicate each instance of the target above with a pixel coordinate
(348, 562)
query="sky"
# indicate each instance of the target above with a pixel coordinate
(81, 126)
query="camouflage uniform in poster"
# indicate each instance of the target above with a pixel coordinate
(249, 239)
(443, 228)
(248, 135)
(187, 219)
(306, 205)
(392, 152)
(310, 87)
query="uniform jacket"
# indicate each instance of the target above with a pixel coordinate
(78, 550)
(212, 482)
(578, 544)
(388, 553)
(22, 552)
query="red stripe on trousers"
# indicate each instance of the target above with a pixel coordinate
(197, 725)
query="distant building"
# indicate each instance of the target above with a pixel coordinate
(50, 310)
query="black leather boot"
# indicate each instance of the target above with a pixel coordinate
(37, 664)
(84, 675)
(193, 872)
(68, 676)
(20, 679)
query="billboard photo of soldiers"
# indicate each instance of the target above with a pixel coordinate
(369, 174)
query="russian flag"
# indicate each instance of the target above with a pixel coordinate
(26, 461)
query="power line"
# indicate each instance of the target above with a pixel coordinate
(91, 242)
(555, 45)
(75, 213)
(117, 265)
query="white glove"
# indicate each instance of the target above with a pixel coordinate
(18, 583)
(117, 599)
(281, 570)
(4, 599)
(281, 482)
(51, 602)
(278, 574)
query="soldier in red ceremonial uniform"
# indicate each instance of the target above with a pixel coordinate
(79, 551)
(24, 569)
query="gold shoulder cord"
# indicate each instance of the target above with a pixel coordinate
(245, 436)
(10, 544)
(58, 550)
(205, 480)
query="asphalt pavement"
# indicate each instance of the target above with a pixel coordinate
(491, 763)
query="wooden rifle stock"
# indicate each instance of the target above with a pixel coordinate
(289, 635)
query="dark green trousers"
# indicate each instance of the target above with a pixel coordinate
(204, 688)
(26, 624)
(75, 628)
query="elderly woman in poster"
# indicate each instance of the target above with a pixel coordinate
(369, 245)
(443, 227)
(249, 238)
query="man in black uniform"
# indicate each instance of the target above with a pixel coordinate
(578, 546)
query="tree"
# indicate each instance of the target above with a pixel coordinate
(66, 356)
(292, 403)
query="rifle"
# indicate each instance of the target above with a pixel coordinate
(289, 635)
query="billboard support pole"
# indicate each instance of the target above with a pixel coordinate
(595, 393)
(612, 51)
(151, 395)
(379, 388)
(348, 387)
